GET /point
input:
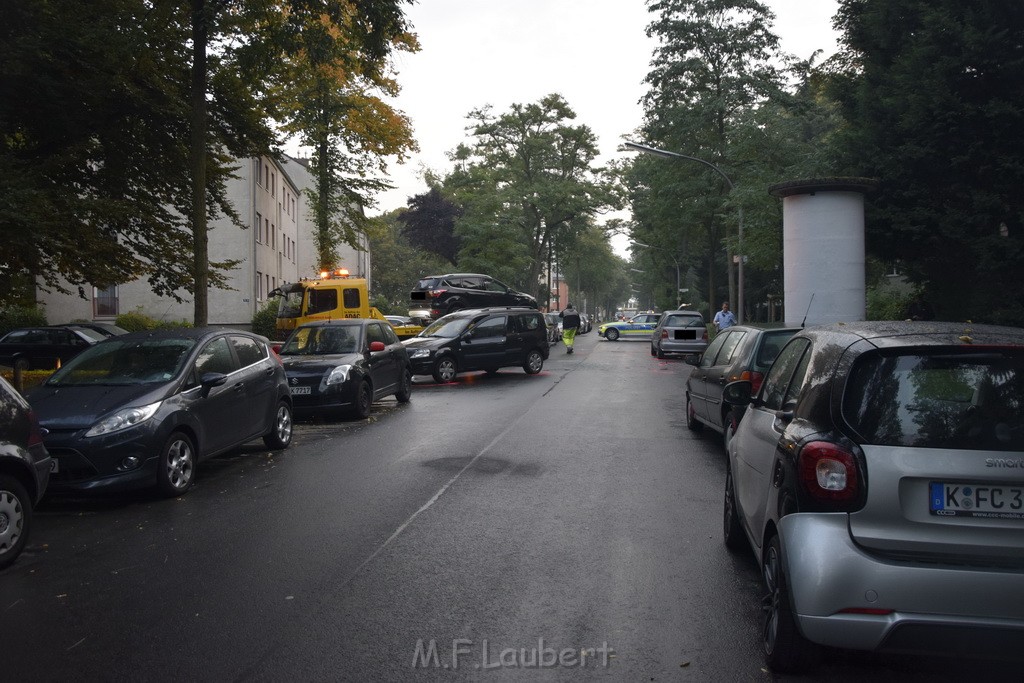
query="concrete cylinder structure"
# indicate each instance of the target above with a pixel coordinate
(823, 249)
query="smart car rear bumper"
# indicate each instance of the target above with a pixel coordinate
(843, 596)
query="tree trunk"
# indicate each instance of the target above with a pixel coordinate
(197, 161)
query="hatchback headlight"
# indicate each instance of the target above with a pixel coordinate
(338, 375)
(124, 419)
(420, 353)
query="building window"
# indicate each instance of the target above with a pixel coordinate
(259, 227)
(104, 302)
(259, 286)
(259, 170)
(273, 236)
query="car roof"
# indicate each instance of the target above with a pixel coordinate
(893, 334)
(340, 322)
(196, 333)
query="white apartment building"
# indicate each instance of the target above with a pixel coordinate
(275, 247)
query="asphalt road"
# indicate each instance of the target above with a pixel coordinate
(564, 526)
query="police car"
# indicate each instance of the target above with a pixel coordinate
(637, 327)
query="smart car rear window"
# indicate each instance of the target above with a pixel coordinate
(951, 398)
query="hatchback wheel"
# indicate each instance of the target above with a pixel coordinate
(363, 401)
(728, 429)
(15, 519)
(732, 531)
(177, 469)
(404, 392)
(786, 650)
(691, 417)
(444, 370)
(280, 434)
(653, 350)
(534, 362)
(661, 353)
(611, 334)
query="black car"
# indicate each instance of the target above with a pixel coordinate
(345, 365)
(443, 294)
(739, 352)
(106, 329)
(24, 471)
(480, 339)
(45, 348)
(143, 409)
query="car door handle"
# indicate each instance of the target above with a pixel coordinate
(240, 387)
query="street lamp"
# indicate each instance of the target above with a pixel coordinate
(739, 273)
(674, 260)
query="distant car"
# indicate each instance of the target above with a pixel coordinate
(143, 409)
(740, 352)
(585, 324)
(679, 332)
(444, 294)
(404, 326)
(106, 329)
(480, 339)
(877, 477)
(45, 348)
(345, 365)
(639, 326)
(554, 324)
(24, 471)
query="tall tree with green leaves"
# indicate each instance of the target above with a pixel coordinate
(526, 182)
(96, 182)
(716, 60)
(429, 223)
(397, 263)
(933, 94)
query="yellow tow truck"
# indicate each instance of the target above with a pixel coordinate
(332, 296)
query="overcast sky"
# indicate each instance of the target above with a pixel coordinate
(500, 52)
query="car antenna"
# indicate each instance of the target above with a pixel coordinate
(807, 311)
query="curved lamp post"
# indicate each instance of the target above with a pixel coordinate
(739, 273)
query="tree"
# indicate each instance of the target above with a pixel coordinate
(92, 170)
(397, 264)
(933, 93)
(335, 73)
(526, 182)
(716, 62)
(429, 223)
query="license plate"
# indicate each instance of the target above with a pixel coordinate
(996, 501)
(686, 334)
(302, 390)
(54, 465)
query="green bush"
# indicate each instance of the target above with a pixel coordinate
(265, 321)
(137, 321)
(887, 304)
(20, 316)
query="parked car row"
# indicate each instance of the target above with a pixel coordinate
(875, 472)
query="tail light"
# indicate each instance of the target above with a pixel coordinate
(755, 379)
(664, 334)
(434, 293)
(828, 473)
(35, 435)
(705, 336)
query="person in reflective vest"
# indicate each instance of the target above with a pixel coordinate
(570, 323)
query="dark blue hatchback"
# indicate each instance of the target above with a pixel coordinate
(143, 409)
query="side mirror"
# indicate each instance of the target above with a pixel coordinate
(209, 380)
(737, 393)
(377, 346)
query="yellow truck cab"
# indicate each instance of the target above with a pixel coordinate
(332, 296)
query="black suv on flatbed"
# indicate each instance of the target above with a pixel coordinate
(480, 339)
(444, 294)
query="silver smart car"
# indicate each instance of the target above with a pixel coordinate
(878, 475)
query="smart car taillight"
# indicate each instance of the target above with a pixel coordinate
(828, 472)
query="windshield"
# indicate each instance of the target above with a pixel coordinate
(322, 340)
(446, 327)
(291, 301)
(939, 399)
(114, 362)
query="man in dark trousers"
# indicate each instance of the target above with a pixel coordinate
(570, 323)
